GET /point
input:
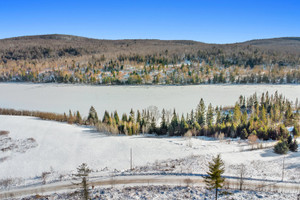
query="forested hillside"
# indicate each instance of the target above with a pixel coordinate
(265, 51)
(69, 59)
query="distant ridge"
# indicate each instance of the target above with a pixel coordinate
(56, 46)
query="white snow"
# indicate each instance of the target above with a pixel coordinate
(171, 192)
(62, 147)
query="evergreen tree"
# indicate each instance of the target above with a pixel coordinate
(106, 117)
(218, 118)
(93, 116)
(281, 147)
(163, 123)
(138, 117)
(214, 179)
(192, 118)
(294, 146)
(237, 114)
(116, 116)
(263, 115)
(83, 172)
(78, 118)
(244, 134)
(131, 116)
(153, 126)
(124, 117)
(244, 118)
(210, 115)
(296, 130)
(201, 113)
(173, 129)
(183, 126)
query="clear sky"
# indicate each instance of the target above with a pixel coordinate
(212, 21)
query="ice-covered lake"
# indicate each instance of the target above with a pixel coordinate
(60, 98)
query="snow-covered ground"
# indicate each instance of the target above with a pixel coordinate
(58, 148)
(60, 97)
(168, 192)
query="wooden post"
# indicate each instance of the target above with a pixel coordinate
(131, 159)
(283, 169)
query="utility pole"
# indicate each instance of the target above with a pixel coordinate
(283, 169)
(131, 159)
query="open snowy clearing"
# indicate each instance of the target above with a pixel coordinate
(59, 148)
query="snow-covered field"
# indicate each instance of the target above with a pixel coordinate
(168, 193)
(60, 98)
(58, 148)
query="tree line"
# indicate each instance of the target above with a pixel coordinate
(266, 117)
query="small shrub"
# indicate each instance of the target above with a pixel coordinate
(244, 134)
(4, 133)
(281, 147)
(294, 146)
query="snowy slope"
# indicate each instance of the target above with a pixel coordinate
(61, 147)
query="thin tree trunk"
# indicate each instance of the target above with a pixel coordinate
(216, 194)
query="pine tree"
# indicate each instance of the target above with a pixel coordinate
(138, 117)
(174, 124)
(244, 118)
(214, 179)
(83, 172)
(131, 116)
(237, 114)
(92, 117)
(244, 134)
(294, 146)
(153, 126)
(296, 130)
(183, 126)
(163, 123)
(218, 118)
(210, 115)
(124, 117)
(281, 147)
(263, 115)
(200, 114)
(116, 116)
(78, 118)
(106, 117)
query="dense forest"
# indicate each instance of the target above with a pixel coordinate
(72, 59)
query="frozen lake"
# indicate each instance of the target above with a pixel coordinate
(60, 98)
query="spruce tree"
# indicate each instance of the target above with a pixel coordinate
(163, 123)
(106, 117)
(78, 118)
(281, 147)
(294, 146)
(200, 114)
(92, 117)
(83, 172)
(131, 116)
(116, 116)
(153, 126)
(237, 114)
(214, 179)
(210, 115)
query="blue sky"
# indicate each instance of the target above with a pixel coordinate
(211, 21)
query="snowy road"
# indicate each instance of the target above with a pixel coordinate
(136, 180)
